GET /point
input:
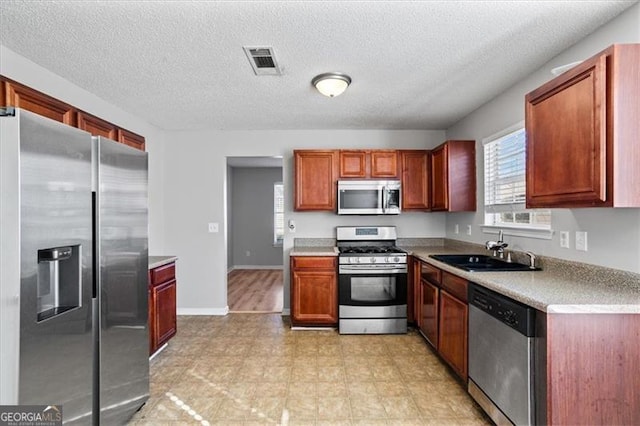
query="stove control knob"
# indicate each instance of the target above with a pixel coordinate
(373, 260)
(357, 259)
(396, 259)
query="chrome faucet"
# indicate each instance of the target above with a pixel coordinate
(532, 260)
(497, 246)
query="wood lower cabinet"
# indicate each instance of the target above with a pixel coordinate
(442, 319)
(582, 131)
(453, 176)
(415, 166)
(314, 291)
(162, 306)
(315, 177)
(453, 333)
(429, 307)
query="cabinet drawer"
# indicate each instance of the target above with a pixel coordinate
(455, 285)
(313, 262)
(163, 273)
(430, 273)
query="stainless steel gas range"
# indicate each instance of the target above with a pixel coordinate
(372, 281)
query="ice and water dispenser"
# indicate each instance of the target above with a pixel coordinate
(59, 280)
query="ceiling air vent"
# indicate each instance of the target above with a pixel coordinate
(263, 60)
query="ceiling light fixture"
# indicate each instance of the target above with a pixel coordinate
(331, 84)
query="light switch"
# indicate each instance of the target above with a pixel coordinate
(213, 227)
(564, 239)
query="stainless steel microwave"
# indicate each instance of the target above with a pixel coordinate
(369, 197)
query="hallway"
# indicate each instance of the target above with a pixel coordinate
(255, 290)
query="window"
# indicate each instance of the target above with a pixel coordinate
(505, 183)
(278, 213)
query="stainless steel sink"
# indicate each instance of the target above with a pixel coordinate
(481, 263)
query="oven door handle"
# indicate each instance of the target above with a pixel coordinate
(371, 269)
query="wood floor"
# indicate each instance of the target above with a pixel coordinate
(255, 290)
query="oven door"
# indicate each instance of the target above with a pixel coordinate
(359, 287)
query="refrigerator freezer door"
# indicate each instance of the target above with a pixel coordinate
(123, 280)
(56, 343)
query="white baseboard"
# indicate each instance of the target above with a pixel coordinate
(204, 311)
(254, 267)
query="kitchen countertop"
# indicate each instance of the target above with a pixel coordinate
(560, 287)
(314, 251)
(156, 261)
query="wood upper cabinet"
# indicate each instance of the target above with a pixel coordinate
(314, 290)
(96, 126)
(353, 164)
(582, 132)
(162, 305)
(20, 96)
(315, 177)
(131, 139)
(364, 164)
(453, 332)
(453, 176)
(415, 166)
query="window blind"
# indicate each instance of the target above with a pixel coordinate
(278, 212)
(504, 173)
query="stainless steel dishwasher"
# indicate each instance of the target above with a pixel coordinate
(501, 356)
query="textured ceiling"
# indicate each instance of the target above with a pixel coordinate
(180, 64)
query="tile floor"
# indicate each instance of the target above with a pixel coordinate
(252, 369)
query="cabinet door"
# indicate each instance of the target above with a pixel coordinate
(96, 126)
(415, 180)
(566, 138)
(439, 179)
(152, 324)
(131, 139)
(429, 312)
(452, 336)
(315, 180)
(384, 164)
(165, 311)
(314, 297)
(31, 100)
(353, 164)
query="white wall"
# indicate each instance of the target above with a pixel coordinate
(195, 183)
(252, 230)
(30, 74)
(613, 234)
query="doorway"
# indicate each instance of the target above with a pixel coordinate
(255, 228)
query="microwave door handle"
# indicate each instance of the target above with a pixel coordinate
(384, 199)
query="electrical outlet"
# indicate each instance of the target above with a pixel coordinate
(213, 227)
(248, 253)
(581, 240)
(456, 229)
(564, 239)
(468, 229)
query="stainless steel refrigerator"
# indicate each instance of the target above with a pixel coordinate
(73, 269)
